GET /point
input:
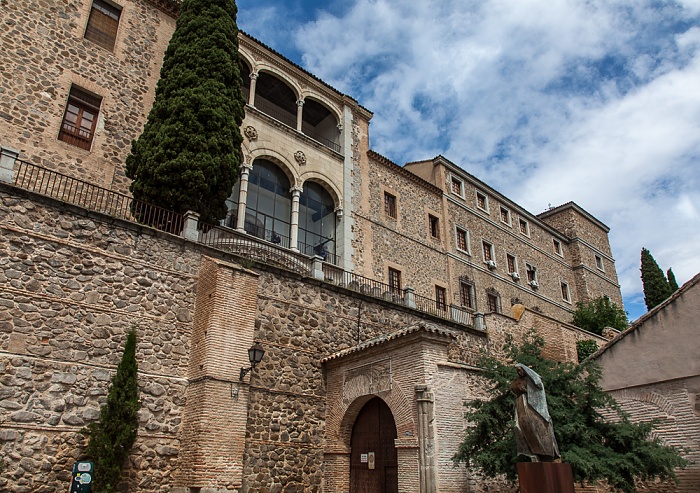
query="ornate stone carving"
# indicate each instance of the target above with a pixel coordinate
(300, 158)
(251, 132)
(367, 379)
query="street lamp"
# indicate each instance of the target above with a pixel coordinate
(255, 355)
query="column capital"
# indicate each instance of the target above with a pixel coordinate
(340, 127)
(253, 75)
(296, 191)
(300, 102)
(246, 168)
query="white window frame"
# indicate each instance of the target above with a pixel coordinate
(529, 267)
(557, 247)
(453, 180)
(599, 262)
(522, 221)
(515, 264)
(486, 201)
(501, 210)
(564, 286)
(491, 249)
(468, 251)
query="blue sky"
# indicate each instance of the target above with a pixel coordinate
(595, 101)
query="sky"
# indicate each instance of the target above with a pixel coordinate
(547, 101)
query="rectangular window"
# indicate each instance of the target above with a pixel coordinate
(102, 24)
(466, 294)
(531, 273)
(599, 262)
(505, 215)
(462, 240)
(565, 292)
(395, 281)
(488, 251)
(440, 298)
(390, 205)
(557, 246)
(80, 118)
(511, 264)
(492, 302)
(524, 227)
(457, 187)
(482, 201)
(434, 226)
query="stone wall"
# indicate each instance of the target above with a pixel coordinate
(45, 51)
(74, 283)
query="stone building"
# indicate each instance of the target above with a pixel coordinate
(373, 287)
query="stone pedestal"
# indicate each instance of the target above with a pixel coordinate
(545, 477)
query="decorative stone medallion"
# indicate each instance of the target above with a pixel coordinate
(250, 132)
(300, 158)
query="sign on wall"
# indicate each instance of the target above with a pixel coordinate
(81, 480)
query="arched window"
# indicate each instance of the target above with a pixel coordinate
(269, 204)
(316, 221)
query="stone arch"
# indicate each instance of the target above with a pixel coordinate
(279, 74)
(316, 177)
(279, 159)
(330, 106)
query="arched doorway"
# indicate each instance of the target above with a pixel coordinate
(373, 434)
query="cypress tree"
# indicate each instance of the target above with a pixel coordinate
(656, 287)
(187, 157)
(113, 434)
(672, 280)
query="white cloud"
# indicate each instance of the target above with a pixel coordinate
(594, 101)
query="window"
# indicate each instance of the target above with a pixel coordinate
(557, 246)
(80, 118)
(482, 201)
(531, 274)
(103, 23)
(440, 298)
(390, 205)
(395, 281)
(505, 215)
(488, 251)
(466, 294)
(599, 262)
(434, 226)
(456, 186)
(462, 239)
(565, 292)
(493, 301)
(512, 267)
(524, 227)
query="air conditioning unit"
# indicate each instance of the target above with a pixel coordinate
(515, 276)
(491, 264)
(534, 284)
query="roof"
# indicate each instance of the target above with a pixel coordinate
(577, 208)
(384, 338)
(648, 315)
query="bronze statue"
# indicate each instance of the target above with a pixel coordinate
(534, 433)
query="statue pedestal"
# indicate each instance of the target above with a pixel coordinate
(545, 477)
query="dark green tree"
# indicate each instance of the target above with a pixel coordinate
(672, 283)
(111, 437)
(597, 447)
(585, 347)
(189, 153)
(595, 315)
(654, 283)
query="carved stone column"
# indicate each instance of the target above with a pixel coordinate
(253, 84)
(294, 230)
(300, 113)
(243, 196)
(426, 439)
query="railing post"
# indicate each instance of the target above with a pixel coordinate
(190, 232)
(479, 322)
(409, 298)
(317, 268)
(7, 164)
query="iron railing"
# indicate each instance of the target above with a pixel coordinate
(81, 193)
(263, 248)
(309, 131)
(275, 111)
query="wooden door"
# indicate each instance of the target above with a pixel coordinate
(374, 432)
